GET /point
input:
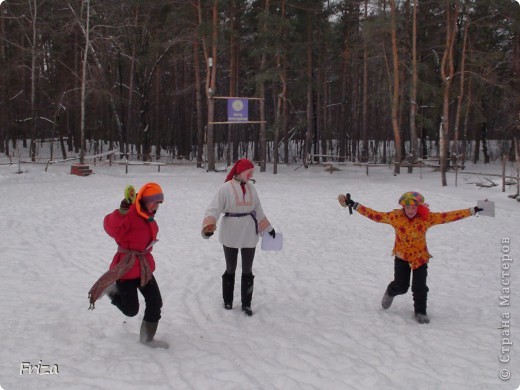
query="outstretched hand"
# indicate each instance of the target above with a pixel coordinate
(342, 200)
(477, 209)
(346, 201)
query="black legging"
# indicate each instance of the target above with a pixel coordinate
(401, 283)
(231, 255)
(128, 302)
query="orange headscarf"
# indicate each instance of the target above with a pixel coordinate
(150, 192)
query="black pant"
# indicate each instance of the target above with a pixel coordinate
(231, 255)
(127, 300)
(401, 283)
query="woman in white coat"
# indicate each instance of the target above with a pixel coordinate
(242, 222)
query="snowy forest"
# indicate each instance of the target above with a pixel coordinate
(370, 98)
(361, 80)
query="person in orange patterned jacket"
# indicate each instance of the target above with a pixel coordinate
(411, 253)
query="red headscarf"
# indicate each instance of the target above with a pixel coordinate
(423, 211)
(240, 166)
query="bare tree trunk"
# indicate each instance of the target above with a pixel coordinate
(261, 93)
(324, 111)
(466, 120)
(476, 149)
(413, 93)
(364, 152)
(343, 129)
(84, 85)
(318, 110)
(447, 71)
(33, 81)
(158, 126)
(516, 87)
(98, 64)
(396, 91)
(211, 73)
(308, 136)
(4, 134)
(129, 116)
(262, 135)
(233, 80)
(455, 148)
(198, 103)
(285, 110)
(281, 100)
(483, 135)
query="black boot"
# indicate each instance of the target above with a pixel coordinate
(247, 285)
(228, 288)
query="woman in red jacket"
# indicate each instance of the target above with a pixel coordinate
(134, 229)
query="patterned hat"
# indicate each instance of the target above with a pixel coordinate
(411, 198)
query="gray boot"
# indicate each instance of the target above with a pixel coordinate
(422, 318)
(148, 330)
(387, 300)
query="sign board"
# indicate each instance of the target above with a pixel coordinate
(237, 109)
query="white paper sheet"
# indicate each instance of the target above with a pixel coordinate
(488, 206)
(272, 244)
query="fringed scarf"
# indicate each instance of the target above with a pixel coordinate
(114, 274)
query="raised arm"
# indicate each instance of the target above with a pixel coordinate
(451, 216)
(376, 216)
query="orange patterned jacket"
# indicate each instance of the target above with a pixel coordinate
(410, 234)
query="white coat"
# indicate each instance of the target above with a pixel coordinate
(237, 232)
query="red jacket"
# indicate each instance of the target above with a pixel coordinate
(131, 231)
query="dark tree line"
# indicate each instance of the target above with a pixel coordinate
(348, 78)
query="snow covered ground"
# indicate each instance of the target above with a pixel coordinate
(318, 322)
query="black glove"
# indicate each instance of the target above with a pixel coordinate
(208, 234)
(477, 209)
(272, 233)
(349, 202)
(124, 206)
